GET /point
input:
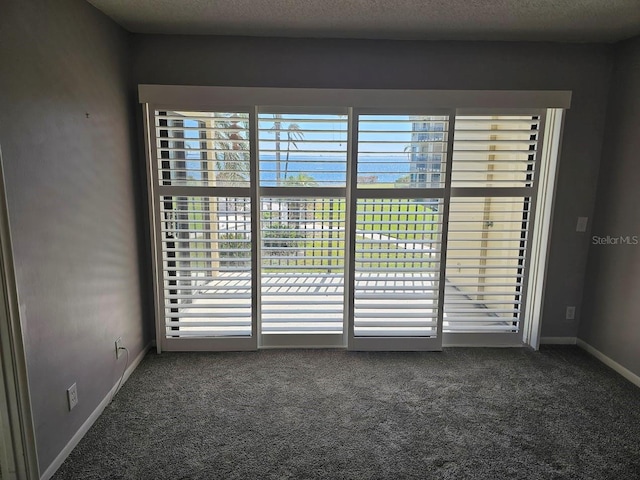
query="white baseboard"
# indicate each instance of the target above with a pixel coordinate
(62, 456)
(558, 340)
(609, 362)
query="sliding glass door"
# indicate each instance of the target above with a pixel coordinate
(337, 227)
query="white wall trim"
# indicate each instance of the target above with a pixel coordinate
(62, 456)
(491, 340)
(542, 227)
(558, 340)
(609, 362)
(20, 459)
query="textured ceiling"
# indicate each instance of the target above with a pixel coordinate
(535, 20)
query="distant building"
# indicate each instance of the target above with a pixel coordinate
(428, 142)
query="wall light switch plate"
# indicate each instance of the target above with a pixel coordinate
(581, 226)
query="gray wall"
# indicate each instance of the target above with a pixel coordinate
(584, 69)
(611, 320)
(70, 183)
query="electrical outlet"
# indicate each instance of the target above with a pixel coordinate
(570, 314)
(72, 396)
(118, 347)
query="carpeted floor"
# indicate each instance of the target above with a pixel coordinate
(460, 414)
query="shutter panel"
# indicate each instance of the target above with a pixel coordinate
(205, 239)
(494, 151)
(303, 163)
(493, 174)
(208, 149)
(206, 250)
(302, 150)
(486, 250)
(397, 267)
(302, 265)
(401, 160)
(401, 151)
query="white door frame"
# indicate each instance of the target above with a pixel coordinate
(19, 455)
(540, 243)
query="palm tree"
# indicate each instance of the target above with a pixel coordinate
(293, 135)
(301, 180)
(276, 127)
(232, 153)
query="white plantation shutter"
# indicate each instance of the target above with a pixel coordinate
(302, 265)
(303, 172)
(397, 267)
(302, 149)
(401, 151)
(494, 151)
(206, 246)
(398, 208)
(493, 175)
(209, 149)
(486, 252)
(388, 225)
(204, 224)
